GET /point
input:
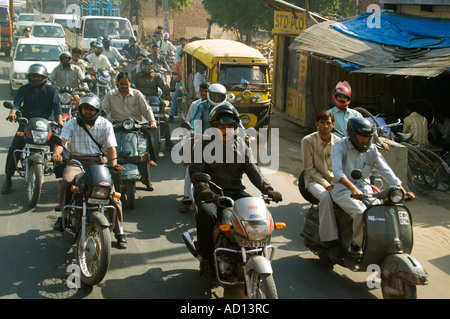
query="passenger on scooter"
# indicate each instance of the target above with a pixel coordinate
(125, 102)
(148, 82)
(67, 74)
(316, 148)
(85, 150)
(34, 99)
(358, 152)
(78, 60)
(227, 173)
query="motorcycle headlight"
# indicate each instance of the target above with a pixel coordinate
(128, 124)
(100, 192)
(65, 98)
(396, 195)
(256, 230)
(39, 137)
(155, 109)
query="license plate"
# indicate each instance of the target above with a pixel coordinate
(253, 243)
(38, 147)
(98, 201)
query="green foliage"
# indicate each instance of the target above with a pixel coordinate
(343, 8)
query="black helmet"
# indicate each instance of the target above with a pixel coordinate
(361, 126)
(67, 56)
(106, 42)
(224, 113)
(89, 101)
(37, 69)
(217, 94)
(146, 65)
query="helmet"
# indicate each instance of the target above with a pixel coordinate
(217, 94)
(133, 39)
(98, 47)
(361, 126)
(106, 42)
(146, 65)
(224, 113)
(37, 69)
(89, 100)
(342, 88)
(65, 55)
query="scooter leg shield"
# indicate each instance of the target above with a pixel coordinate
(260, 264)
(405, 267)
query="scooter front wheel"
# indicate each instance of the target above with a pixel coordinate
(34, 183)
(393, 287)
(94, 259)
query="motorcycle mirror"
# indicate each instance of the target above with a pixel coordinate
(201, 178)
(356, 174)
(186, 125)
(56, 139)
(9, 105)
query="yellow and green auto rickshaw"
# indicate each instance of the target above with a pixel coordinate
(243, 70)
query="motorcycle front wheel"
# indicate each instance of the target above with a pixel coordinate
(262, 286)
(393, 287)
(94, 259)
(34, 183)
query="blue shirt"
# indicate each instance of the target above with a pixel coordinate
(341, 118)
(46, 104)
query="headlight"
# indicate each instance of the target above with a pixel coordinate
(100, 192)
(231, 97)
(128, 124)
(396, 195)
(245, 119)
(39, 137)
(19, 76)
(247, 94)
(256, 98)
(155, 109)
(238, 98)
(65, 98)
(256, 230)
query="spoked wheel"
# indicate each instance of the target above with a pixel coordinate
(396, 288)
(263, 286)
(34, 183)
(94, 260)
(131, 192)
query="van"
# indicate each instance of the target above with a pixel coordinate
(6, 31)
(243, 70)
(66, 20)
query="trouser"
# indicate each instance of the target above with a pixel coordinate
(206, 220)
(69, 175)
(327, 221)
(174, 105)
(17, 144)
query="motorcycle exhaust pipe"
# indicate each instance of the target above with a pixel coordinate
(189, 242)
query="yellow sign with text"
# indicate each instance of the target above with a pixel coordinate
(289, 22)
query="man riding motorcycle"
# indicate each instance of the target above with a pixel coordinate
(111, 53)
(99, 60)
(67, 74)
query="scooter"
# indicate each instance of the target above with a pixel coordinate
(158, 111)
(133, 154)
(85, 217)
(387, 244)
(33, 161)
(243, 254)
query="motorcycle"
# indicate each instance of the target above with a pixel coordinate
(132, 153)
(33, 161)
(387, 244)
(69, 98)
(85, 217)
(101, 81)
(158, 111)
(242, 250)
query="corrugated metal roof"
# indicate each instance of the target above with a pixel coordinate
(322, 41)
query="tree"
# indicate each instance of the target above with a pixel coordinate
(342, 8)
(240, 17)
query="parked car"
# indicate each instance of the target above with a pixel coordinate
(49, 31)
(25, 20)
(29, 51)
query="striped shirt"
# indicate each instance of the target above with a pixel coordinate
(80, 142)
(418, 125)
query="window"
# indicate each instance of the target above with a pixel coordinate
(236, 74)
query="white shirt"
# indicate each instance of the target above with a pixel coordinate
(99, 62)
(113, 55)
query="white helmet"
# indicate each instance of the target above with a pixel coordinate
(217, 94)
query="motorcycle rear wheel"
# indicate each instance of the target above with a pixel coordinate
(94, 260)
(34, 184)
(262, 286)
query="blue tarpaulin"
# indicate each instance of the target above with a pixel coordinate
(391, 29)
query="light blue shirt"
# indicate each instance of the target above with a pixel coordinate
(341, 118)
(345, 158)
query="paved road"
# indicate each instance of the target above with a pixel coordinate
(157, 265)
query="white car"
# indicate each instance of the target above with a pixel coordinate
(49, 31)
(29, 51)
(25, 20)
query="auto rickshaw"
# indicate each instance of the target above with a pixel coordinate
(243, 70)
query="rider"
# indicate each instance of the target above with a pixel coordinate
(98, 60)
(131, 49)
(157, 58)
(217, 94)
(125, 102)
(148, 82)
(226, 173)
(166, 45)
(316, 148)
(67, 74)
(35, 99)
(111, 53)
(358, 152)
(85, 150)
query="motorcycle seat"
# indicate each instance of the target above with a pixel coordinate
(304, 192)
